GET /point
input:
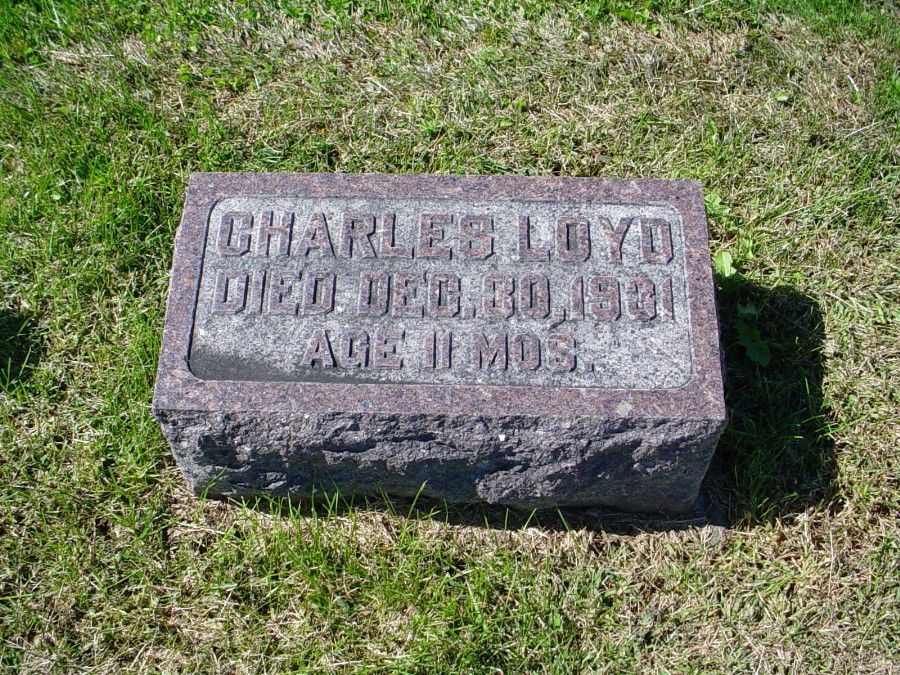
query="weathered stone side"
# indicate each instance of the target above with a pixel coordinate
(523, 462)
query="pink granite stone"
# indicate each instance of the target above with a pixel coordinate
(534, 342)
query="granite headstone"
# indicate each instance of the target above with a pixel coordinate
(533, 342)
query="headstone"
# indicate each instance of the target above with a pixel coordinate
(533, 342)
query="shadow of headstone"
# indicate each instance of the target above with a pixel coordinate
(776, 457)
(20, 349)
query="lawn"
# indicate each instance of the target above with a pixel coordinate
(787, 112)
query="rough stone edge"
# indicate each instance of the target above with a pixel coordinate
(645, 466)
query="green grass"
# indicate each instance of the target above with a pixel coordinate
(788, 112)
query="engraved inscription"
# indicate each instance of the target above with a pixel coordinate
(443, 291)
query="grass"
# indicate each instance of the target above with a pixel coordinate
(786, 111)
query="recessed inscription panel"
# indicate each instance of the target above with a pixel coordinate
(443, 291)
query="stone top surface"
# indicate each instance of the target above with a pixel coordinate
(443, 295)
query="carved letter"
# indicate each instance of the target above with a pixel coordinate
(604, 302)
(534, 296)
(256, 291)
(526, 351)
(318, 293)
(477, 242)
(573, 239)
(526, 253)
(641, 298)
(438, 349)
(373, 293)
(576, 294)
(385, 351)
(489, 353)
(498, 295)
(282, 287)
(432, 232)
(615, 236)
(388, 248)
(357, 229)
(315, 238)
(665, 298)
(404, 290)
(281, 234)
(318, 350)
(443, 295)
(561, 352)
(656, 248)
(239, 221)
(231, 291)
(354, 349)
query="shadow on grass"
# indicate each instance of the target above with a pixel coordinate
(20, 349)
(476, 515)
(775, 458)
